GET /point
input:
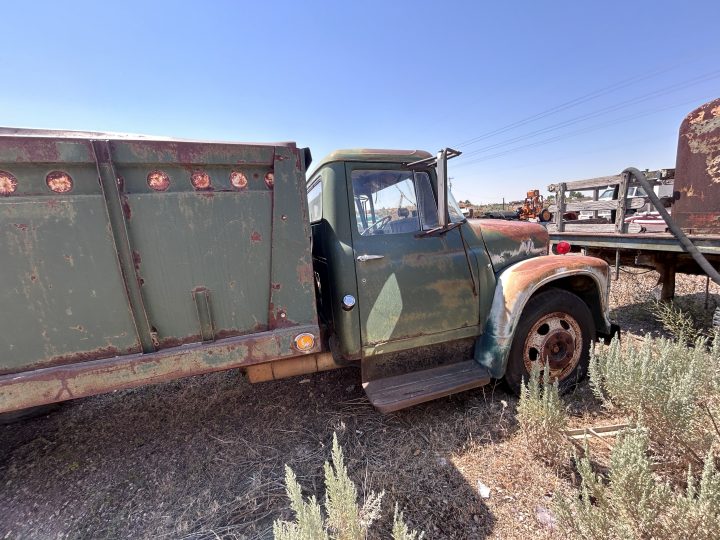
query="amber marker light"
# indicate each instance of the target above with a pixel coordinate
(304, 342)
(562, 247)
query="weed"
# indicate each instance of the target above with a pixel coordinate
(346, 520)
(541, 416)
(631, 502)
(678, 323)
(674, 390)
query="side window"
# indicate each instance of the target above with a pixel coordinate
(315, 203)
(393, 202)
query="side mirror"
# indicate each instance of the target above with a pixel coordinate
(440, 164)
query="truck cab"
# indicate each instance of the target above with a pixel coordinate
(398, 271)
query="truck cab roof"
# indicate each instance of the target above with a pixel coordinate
(373, 154)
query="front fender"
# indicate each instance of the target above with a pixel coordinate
(516, 284)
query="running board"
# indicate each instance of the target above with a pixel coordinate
(394, 393)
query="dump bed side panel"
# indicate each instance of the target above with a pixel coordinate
(62, 298)
(147, 245)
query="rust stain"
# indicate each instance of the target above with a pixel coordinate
(229, 333)
(21, 226)
(305, 273)
(59, 181)
(158, 180)
(80, 357)
(8, 184)
(136, 259)
(201, 180)
(170, 342)
(40, 150)
(270, 179)
(697, 171)
(277, 318)
(276, 286)
(256, 237)
(116, 372)
(238, 180)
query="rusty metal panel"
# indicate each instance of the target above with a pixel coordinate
(292, 284)
(208, 217)
(62, 298)
(81, 379)
(697, 173)
(199, 222)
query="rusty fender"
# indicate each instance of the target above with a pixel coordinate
(517, 283)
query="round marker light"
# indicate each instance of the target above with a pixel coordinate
(304, 342)
(562, 247)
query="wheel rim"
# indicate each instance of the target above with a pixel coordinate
(555, 338)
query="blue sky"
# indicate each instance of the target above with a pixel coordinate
(377, 74)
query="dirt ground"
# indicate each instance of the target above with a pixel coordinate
(203, 458)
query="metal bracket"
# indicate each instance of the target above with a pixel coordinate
(201, 296)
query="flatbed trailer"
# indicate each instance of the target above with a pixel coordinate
(694, 207)
(660, 251)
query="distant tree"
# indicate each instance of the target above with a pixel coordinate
(550, 199)
(575, 195)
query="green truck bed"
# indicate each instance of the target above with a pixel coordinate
(113, 247)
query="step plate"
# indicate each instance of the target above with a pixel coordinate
(394, 393)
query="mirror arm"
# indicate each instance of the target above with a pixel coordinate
(442, 202)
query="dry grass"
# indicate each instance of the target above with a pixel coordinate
(204, 457)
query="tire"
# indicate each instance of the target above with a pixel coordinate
(545, 215)
(556, 325)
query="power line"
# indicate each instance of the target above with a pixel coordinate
(567, 105)
(576, 132)
(612, 108)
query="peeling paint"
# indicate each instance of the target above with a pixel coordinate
(8, 184)
(697, 171)
(516, 284)
(59, 182)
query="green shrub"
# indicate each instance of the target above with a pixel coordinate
(632, 503)
(400, 529)
(678, 323)
(541, 416)
(672, 389)
(346, 520)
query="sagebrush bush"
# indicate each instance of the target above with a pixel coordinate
(674, 390)
(633, 503)
(400, 529)
(346, 519)
(541, 416)
(678, 323)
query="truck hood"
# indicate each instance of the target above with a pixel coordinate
(508, 242)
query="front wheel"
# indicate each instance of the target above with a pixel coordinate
(556, 328)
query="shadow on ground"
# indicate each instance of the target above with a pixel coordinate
(205, 457)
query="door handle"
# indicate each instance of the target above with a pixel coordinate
(363, 258)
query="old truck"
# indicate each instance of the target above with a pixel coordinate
(129, 260)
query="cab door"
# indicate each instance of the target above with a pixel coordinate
(410, 284)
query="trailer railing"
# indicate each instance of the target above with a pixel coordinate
(566, 210)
